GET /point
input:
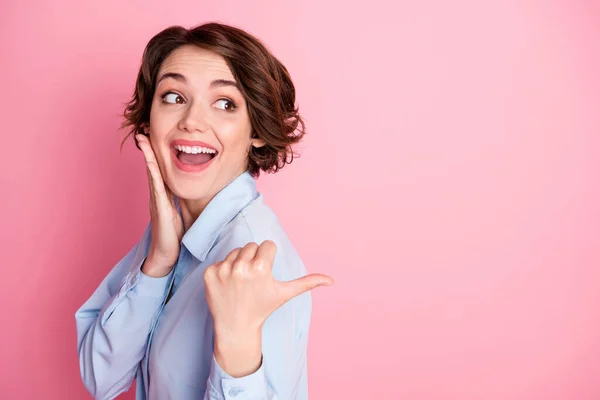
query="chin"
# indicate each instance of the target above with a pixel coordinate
(195, 192)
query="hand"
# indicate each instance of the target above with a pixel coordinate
(166, 223)
(241, 293)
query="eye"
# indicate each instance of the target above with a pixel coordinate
(172, 98)
(225, 105)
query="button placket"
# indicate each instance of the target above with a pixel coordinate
(233, 392)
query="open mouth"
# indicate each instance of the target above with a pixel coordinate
(194, 155)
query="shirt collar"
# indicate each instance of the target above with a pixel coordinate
(218, 213)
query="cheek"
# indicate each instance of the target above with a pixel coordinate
(161, 152)
(154, 111)
(161, 120)
(234, 136)
(160, 127)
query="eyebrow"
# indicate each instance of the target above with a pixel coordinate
(173, 75)
(223, 83)
(214, 84)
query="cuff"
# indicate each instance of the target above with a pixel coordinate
(144, 285)
(136, 283)
(226, 387)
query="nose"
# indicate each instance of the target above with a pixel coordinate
(194, 120)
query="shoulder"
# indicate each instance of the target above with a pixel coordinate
(256, 223)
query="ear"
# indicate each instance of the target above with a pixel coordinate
(256, 142)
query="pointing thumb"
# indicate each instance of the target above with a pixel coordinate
(298, 286)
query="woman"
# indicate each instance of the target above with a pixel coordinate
(198, 309)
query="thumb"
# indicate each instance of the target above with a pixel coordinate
(298, 286)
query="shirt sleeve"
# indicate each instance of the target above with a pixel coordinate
(222, 386)
(283, 371)
(114, 324)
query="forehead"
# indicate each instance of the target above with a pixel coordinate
(196, 63)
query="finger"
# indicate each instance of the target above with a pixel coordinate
(150, 158)
(231, 257)
(248, 252)
(157, 184)
(265, 254)
(298, 286)
(152, 195)
(146, 148)
(170, 195)
(150, 184)
(210, 272)
(224, 268)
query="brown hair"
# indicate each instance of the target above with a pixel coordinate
(263, 81)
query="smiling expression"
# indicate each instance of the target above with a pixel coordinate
(200, 129)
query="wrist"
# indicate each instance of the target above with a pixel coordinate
(155, 270)
(238, 353)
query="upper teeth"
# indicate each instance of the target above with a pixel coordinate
(195, 149)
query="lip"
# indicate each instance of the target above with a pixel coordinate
(183, 142)
(187, 167)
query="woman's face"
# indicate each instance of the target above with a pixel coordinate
(199, 125)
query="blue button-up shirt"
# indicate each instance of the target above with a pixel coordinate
(127, 329)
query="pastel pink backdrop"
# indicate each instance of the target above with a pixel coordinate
(450, 182)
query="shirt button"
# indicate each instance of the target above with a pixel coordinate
(235, 391)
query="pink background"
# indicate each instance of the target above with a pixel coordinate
(450, 182)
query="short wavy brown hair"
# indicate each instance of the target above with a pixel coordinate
(263, 81)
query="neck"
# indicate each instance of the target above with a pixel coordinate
(191, 210)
